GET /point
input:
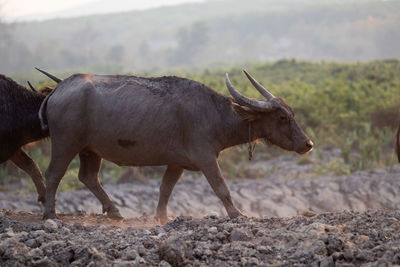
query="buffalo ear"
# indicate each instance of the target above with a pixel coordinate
(245, 113)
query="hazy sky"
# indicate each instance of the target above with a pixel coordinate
(35, 9)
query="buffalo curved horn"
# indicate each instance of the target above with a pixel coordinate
(32, 88)
(245, 101)
(259, 87)
(54, 78)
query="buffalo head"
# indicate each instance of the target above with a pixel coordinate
(271, 119)
(45, 90)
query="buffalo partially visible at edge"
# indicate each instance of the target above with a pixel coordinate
(20, 125)
(397, 145)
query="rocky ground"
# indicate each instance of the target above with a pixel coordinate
(294, 219)
(328, 239)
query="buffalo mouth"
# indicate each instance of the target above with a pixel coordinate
(304, 152)
(306, 148)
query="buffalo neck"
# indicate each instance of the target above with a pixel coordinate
(234, 130)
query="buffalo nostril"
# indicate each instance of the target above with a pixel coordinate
(309, 144)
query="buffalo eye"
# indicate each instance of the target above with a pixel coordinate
(283, 117)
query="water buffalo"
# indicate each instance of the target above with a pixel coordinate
(20, 125)
(169, 121)
(397, 147)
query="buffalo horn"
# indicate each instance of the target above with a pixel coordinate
(245, 101)
(259, 87)
(54, 78)
(32, 88)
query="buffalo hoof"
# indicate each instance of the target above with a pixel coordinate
(49, 216)
(41, 199)
(163, 219)
(115, 215)
(236, 214)
(243, 215)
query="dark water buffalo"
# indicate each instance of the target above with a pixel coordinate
(20, 125)
(169, 121)
(397, 148)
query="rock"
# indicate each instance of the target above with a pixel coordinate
(161, 235)
(16, 253)
(396, 258)
(146, 232)
(8, 233)
(139, 261)
(173, 251)
(307, 213)
(363, 256)
(58, 251)
(148, 243)
(337, 256)
(328, 262)
(163, 263)
(32, 243)
(78, 226)
(348, 255)
(222, 235)
(38, 233)
(65, 231)
(264, 249)
(142, 250)
(37, 254)
(212, 214)
(215, 246)
(252, 262)
(50, 225)
(44, 262)
(333, 245)
(122, 263)
(239, 235)
(86, 255)
(130, 254)
(213, 230)
(4, 223)
(362, 238)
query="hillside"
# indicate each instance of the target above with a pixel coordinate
(213, 32)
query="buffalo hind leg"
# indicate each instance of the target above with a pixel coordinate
(217, 182)
(58, 165)
(88, 174)
(169, 180)
(26, 163)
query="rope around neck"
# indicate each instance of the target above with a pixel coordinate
(252, 144)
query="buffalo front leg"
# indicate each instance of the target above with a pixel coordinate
(26, 163)
(89, 175)
(169, 180)
(217, 182)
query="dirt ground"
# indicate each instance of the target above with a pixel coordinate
(144, 222)
(369, 238)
